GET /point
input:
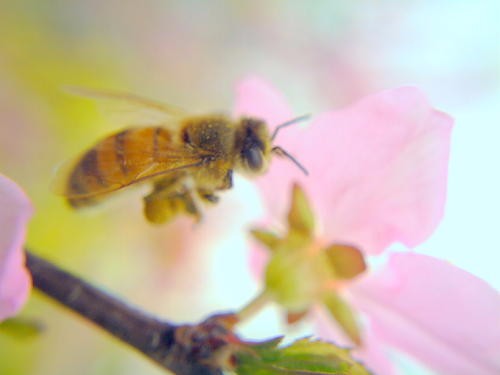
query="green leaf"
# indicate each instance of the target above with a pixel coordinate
(303, 357)
(300, 216)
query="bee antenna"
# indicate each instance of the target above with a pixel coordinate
(289, 122)
(280, 152)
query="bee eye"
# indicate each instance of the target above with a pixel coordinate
(253, 158)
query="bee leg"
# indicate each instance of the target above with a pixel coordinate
(227, 182)
(161, 208)
(168, 201)
(208, 196)
(190, 206)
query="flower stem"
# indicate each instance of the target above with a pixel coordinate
(254, 306)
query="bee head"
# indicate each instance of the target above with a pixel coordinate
(252, 146)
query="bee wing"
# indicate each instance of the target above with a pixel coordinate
(126, 109)
(84, 179)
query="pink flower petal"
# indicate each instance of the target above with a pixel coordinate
(255, 97)
(15, 281)
(438, 313)
(373, 355)
(378, 169)
(257, 259)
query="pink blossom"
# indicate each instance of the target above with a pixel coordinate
(377, 169)
(15, 281)
(439, 313)
(378, 173)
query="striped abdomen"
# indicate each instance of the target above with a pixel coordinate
(117, 161)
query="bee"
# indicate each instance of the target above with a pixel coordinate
(187, 158)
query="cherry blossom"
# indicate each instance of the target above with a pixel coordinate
(377, 176)
(15, 281)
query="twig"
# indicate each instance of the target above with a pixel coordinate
(186, 350)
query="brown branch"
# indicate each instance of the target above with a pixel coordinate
(187, 350)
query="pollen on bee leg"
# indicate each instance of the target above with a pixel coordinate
(161, 208)
(157, 210)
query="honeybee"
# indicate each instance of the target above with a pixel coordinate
(187, 158)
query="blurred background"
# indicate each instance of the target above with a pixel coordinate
(321, 55)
